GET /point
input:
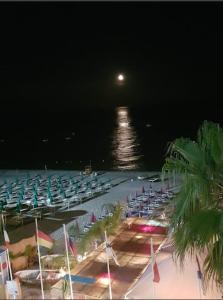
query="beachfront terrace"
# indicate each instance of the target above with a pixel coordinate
(132, 247)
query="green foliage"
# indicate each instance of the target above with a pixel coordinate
(29, 252)
(74, 231)
(197, 217)
(65, 287)
(96, 232)
(57, 262)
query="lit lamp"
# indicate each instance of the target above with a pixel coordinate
(103, 279)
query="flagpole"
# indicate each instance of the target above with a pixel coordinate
(3, 224)
(68, 262)
(7, 251)
(3, 279)
(109, 276)
(9, 264)
(40, 267)
(152, 255)
(10, 268)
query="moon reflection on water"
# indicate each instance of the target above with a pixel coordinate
(125, 144)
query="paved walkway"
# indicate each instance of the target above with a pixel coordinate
(132, 247)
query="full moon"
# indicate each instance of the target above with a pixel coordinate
(120, 77)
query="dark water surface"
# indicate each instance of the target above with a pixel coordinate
(119, 138)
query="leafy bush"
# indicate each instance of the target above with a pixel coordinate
(56, 262)
(96, 232)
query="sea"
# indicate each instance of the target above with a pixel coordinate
(119, 138)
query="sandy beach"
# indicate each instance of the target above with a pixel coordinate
(123, 184)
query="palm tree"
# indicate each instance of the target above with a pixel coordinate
(108, 224)
(197, 217)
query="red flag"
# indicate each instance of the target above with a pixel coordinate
(156, 275)
(71, 246)
(44, 240)
(3, 266)
(93, 218)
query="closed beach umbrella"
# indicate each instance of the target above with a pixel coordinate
(49, 193)
(18, 207)
(50, 196)
(49, 199)
(10, 188)
(1, 206)
(33, 188)
(35, 201)
(20, 197)
(143, 190)
(22, 190)
(4, 202)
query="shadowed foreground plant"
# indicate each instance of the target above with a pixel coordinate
(197, 217)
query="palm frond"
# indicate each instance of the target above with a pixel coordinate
(197, 209)
(108, 224)
(213, 270)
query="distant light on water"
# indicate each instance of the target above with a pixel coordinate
(124, 124)
(125, 146)
(122, 111)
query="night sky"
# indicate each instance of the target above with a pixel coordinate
(59, 57)
(65, 55)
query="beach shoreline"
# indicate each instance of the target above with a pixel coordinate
(123, 183)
